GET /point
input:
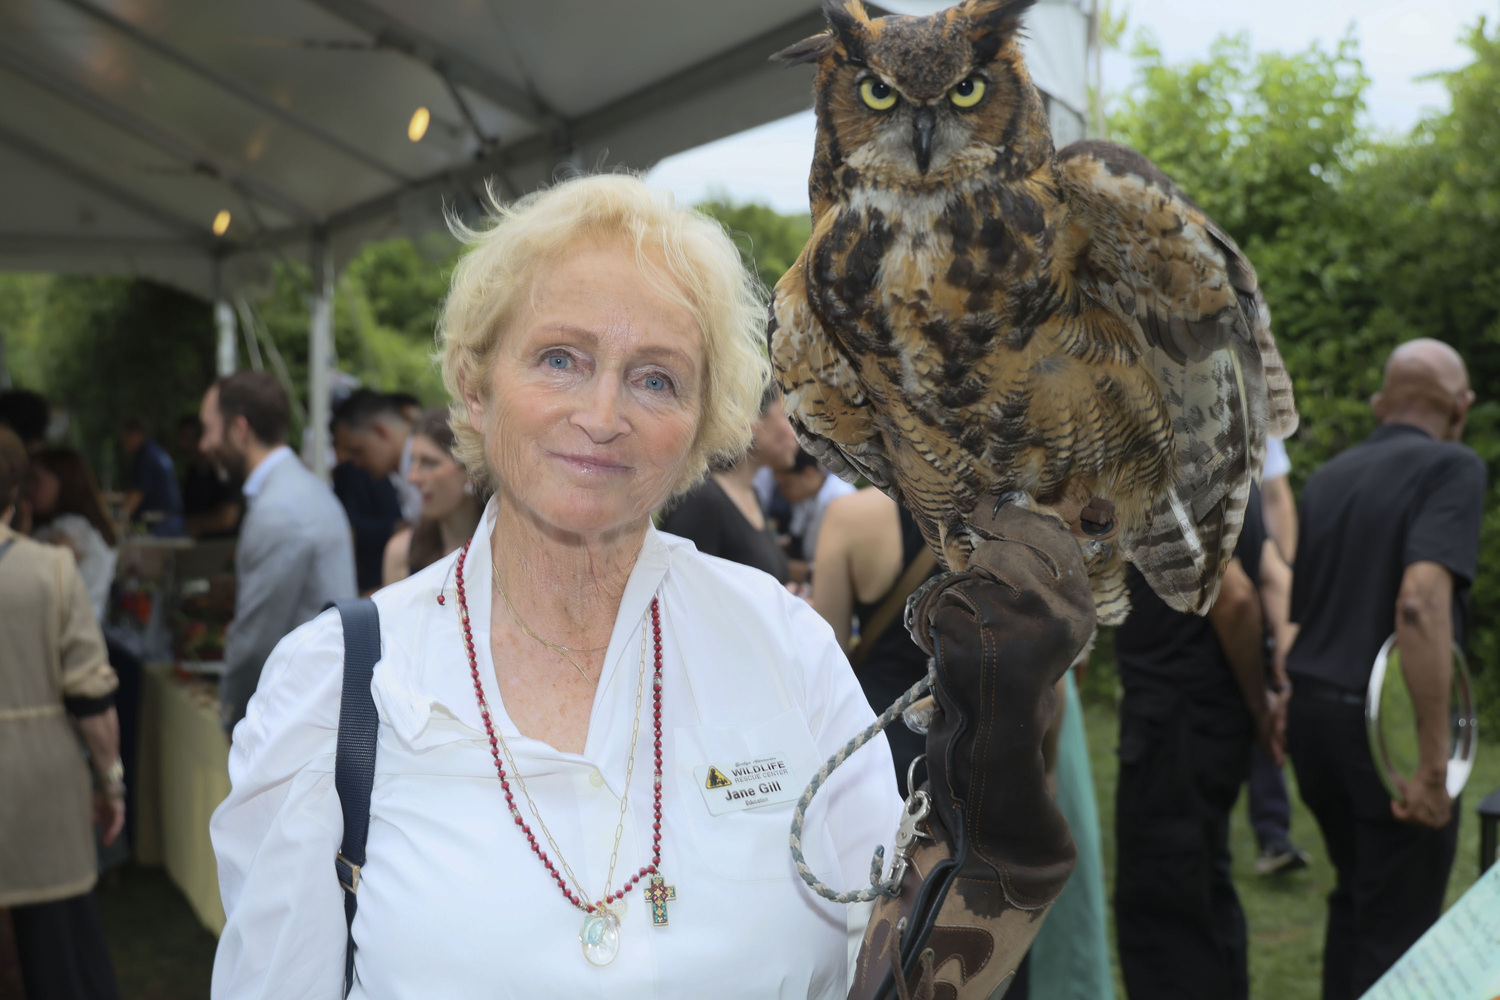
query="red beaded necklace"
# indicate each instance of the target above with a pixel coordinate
(489, 726)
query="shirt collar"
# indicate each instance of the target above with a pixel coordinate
(621, 660)
(404, 466)
(1387, 431)
(256, 481)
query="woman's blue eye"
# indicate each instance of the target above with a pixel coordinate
(558, 361)
(655, 383)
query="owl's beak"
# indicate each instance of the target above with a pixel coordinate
(922, 125)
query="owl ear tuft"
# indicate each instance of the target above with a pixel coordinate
(991, 22)
(806, 51)
(848, 28)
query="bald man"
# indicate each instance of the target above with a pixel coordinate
(1390, 541)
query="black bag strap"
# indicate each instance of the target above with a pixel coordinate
(354, 768)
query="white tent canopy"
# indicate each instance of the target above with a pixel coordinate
(129, 125)
(132, 130)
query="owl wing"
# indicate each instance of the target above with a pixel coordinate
(1187, 292)
(823, 396)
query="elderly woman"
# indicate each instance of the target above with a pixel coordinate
(591, 736)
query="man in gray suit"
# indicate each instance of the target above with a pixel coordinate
(295, 551)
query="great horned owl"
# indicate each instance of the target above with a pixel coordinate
(978, 313)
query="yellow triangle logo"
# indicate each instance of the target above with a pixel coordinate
(716, 778)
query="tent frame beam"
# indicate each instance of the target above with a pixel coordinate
(721, 68)
(83, 245)
(202, 161)
(390, 33)
(120, 196)
(231, 86)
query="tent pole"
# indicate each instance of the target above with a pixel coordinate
(224, 322)
(224, 357)
(1094, 63)
(320, 356)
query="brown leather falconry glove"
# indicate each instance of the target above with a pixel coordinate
(987, 849)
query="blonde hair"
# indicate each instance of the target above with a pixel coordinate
(682, 253)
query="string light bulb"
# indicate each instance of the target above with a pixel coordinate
(221, 222)
(417, 127)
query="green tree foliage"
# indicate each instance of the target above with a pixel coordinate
(22, 305)
(108, 349)
(384, 319)
(1360, 243)
(769, 241)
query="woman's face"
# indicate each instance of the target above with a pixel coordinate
(595, 396)
(42, 488)
(774, 443)
(441, 479)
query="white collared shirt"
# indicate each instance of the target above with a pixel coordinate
(452, 903)
(1277, 462)
(257, 477)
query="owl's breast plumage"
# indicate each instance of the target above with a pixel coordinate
(985, 373)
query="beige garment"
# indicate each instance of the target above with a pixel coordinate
(50, 649)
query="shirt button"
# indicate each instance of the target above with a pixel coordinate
(595, 778)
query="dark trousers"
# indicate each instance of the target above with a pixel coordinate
(1391, 876)
(62, 952)
(1178, 921)
(1270, 808)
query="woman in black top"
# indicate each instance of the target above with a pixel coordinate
(866, 546)
(722, 515)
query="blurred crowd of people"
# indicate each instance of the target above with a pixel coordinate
(1389, 529)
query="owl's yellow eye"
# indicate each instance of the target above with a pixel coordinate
(877, 94)
(967, 92)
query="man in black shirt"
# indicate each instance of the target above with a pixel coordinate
(374, 512)
(152, 495)
(1196, 700)
(1390, 544)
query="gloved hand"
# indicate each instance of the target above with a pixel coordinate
(992, 850)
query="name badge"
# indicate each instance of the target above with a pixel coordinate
(746, 784)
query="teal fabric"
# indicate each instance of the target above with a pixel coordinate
(1070, 957)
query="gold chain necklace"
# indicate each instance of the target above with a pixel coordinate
(560, 650)
(601, 928)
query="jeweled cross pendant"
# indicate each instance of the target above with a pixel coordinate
(657, 894)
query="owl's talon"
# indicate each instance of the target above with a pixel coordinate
(918, 715)
(908, 616)
(1019, 497)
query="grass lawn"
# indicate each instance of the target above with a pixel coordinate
(160, 950)
(1285, 914)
